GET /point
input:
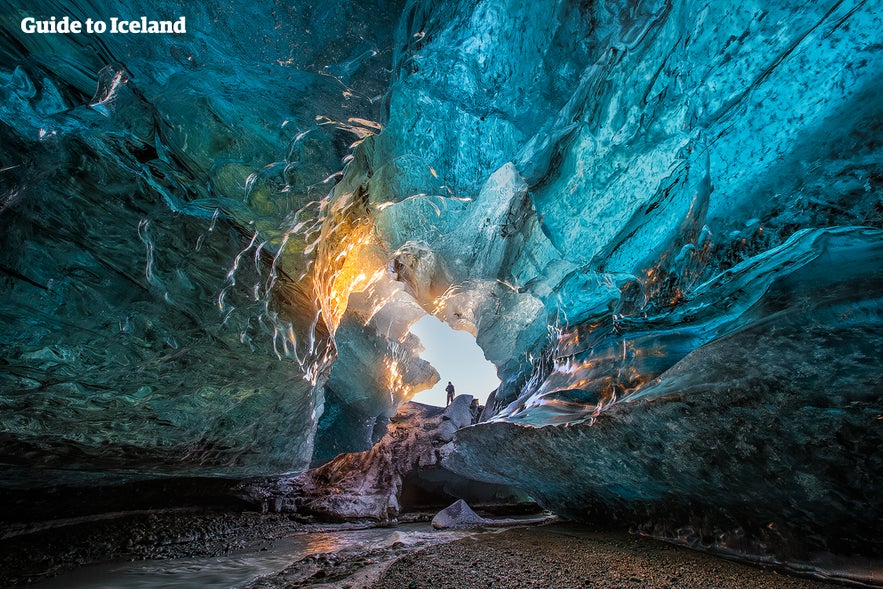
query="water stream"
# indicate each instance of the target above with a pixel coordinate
(239, 568)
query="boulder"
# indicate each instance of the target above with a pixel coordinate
(457, 516)
(456, 415)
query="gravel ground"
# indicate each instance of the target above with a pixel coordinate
(559, 556)
(28, 557)
(563, 557)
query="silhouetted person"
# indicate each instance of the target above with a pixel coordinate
(450, 390)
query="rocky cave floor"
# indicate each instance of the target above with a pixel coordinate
(34, 552)
(552, 556)
(563, 556)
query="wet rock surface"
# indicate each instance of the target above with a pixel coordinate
(344, 569)
(326, 570)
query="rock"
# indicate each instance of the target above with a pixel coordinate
(456, 415)
(399, 473)
(457, 516)
(458, 411)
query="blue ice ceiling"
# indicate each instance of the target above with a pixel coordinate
(661, 221)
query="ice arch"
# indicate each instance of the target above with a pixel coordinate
(457, 358)
(617, 199)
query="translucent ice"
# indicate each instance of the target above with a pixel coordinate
(661, 221)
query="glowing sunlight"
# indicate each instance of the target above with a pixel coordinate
(457, 358)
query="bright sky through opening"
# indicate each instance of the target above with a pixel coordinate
(457, 358)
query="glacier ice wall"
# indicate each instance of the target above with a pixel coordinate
(690, 138)
(674, 262)
(660, 220)
(160, 195)
(758, 439)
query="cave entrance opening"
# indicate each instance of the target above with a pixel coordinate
(457, 357)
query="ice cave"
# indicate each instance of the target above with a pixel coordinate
(662, 223)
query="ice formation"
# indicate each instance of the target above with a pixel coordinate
(660, 220)
(401, 473)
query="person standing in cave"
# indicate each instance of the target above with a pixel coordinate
(450, 390)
